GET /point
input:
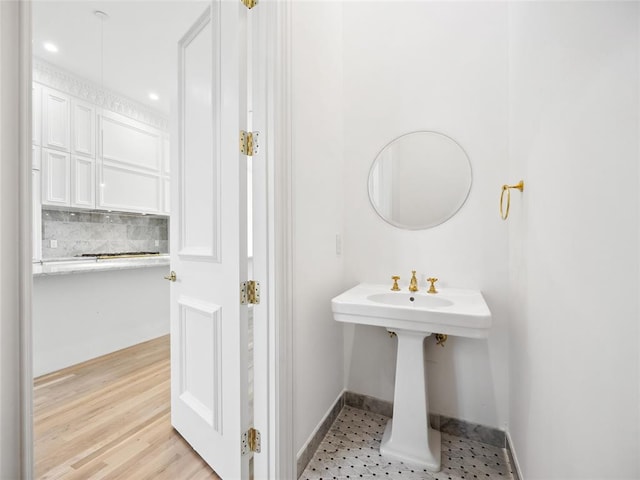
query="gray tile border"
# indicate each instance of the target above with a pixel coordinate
(473, 431)
(310, 450)
(514, 470)
(452, 426)
(368, 404)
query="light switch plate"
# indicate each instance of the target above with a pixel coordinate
(53, 243)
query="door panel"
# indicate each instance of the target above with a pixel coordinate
(200, 388)
(199, 180)
(209, 327)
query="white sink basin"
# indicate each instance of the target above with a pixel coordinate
(410, 300)
(413, 316)
(451, 311)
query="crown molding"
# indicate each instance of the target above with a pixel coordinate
(54, 77)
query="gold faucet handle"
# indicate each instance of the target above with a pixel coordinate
(432, 288)
(395, 286)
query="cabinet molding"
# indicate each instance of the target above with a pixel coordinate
(48, 74)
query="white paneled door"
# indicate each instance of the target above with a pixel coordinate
(209, 326)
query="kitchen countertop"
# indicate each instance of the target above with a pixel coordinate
(67, 266)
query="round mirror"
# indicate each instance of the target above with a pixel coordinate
(419, 180)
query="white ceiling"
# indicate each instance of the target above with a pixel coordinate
(140, 42)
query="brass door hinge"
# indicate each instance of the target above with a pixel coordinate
(249, 143)
(251, 441)
(249, 3)
(250, 292)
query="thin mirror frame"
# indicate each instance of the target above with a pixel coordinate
(420, 227)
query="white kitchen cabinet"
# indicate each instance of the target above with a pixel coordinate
(126, 190)
(83, 128)
(130, 166)
(166, 170)
(83, 182)
(56, 120)
(36, 216)
(36, 204)
(90, 158)
(167, 195)
(166, 156)
(36, 118)
(56, 176)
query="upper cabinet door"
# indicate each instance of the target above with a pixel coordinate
(35, 157)
(56, 119)
(131, 144)
(36, 217)
(56, 173)
(36, 119)
(83, 122)
(130, 165)
(166, 156)
(83, 184)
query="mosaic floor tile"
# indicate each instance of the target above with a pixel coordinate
(351, 450)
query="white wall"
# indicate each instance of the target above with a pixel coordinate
(82, 316)
(9, 241)
(430, 66)
(317, 197)
(574, 121)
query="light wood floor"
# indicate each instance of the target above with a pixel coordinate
(109, 418)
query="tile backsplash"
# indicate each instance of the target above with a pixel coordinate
(100, 232)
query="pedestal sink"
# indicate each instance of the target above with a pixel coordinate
(413, 316)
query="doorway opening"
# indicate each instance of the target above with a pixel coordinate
(101, 166)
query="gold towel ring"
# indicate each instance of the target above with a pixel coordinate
(507, 188)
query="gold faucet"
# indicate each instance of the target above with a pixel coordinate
(413, 285)
(432, 288)
(395, 286)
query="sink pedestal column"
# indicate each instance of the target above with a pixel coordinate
(408, 436)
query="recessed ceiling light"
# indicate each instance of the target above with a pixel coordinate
(154, 96)
(50, 47)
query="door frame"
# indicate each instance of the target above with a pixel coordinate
(275, 114)
(280, 462)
